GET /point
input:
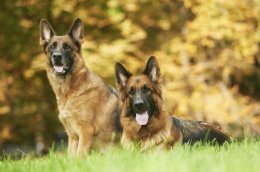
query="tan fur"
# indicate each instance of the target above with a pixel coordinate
(85, 103)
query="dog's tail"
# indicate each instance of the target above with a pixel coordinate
(193, 131)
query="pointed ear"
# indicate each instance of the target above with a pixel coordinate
(46, 32)
(152, 69)
(122, 75)
(76, 31)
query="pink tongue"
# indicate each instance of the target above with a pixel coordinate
(58, 68)
(142, 118)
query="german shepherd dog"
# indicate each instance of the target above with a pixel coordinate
(144, 118)
(87, 106)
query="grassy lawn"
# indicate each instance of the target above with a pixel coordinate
(244, 157)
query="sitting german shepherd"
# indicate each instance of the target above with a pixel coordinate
(144, 117)
(87, 106)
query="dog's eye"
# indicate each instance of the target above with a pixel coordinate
(53, 46)
(145, 89)
(66, 47)
(131, 91)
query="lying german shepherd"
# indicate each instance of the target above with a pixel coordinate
(144, 117)
(87, 106)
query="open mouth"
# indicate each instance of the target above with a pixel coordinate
(60, 69)
(142, 118)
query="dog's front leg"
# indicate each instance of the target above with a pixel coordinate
(85, 140)
(72, 145)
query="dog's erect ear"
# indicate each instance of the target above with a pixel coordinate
(46, 32)
(152, 69)
(122, 75)
(76, 31)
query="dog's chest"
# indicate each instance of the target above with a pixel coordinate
(69, 121)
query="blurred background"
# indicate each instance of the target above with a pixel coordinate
(209, 53)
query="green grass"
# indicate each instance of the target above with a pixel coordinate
(244, 156)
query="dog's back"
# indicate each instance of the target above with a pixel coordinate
(194, 131)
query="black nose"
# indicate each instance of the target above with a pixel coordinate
(56, 56)
(139, 104)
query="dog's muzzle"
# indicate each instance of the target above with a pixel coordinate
(59, 67)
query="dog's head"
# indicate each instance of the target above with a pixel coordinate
(61, 51)
(140, 93)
